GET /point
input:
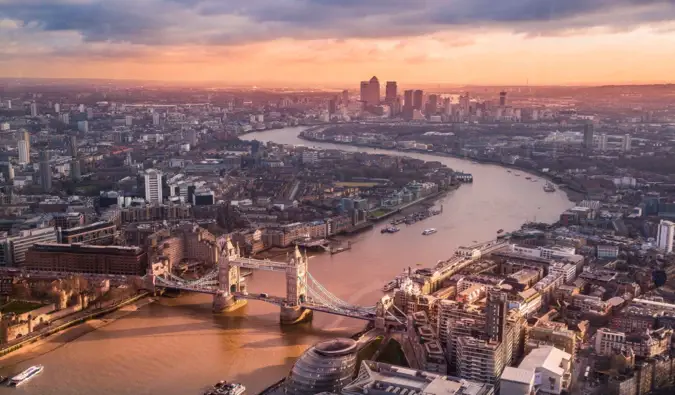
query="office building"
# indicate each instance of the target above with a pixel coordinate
(8, 104)
(72, 145)
(432, 105)
(90, 113)
(155, 118)
(327, 367)
(75, 169)
(45, 171)
(664, 237)
(23, 151)
(191, 137)
(374, 91)
(391, 92)
(332, 105)
(382, 378)
(128, 120)
(153, 186)
(65, 118)
(547, 369)
(88, 259)
(408, 99)
(502, 99)
(80, 108)
(345, 97)
(7, 171)
(33, 109)
(626, 142)
(602, 142)
(18, 245)
(418, 99)
(364, 91)
(57, 108)
(589, 130)
(83, 126)
(99, 233)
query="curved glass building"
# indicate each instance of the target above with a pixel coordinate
(326, 367)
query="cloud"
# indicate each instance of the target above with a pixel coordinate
(74, 26)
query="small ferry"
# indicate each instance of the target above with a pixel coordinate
(225, 388)
(390, 229)
(25, 375)
(429, 231)
(390, 286)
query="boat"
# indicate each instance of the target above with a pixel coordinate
(390, 229)
(225, 388)
(528, 178)
(390, 286)
(549, 187)
(25, 375)
(429, 231)
(516, 174)
(508, 171)
(500, 231)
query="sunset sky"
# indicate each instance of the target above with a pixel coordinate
(341, 41)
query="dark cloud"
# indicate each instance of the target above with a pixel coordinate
(158, 22)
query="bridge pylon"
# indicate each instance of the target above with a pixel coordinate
(296, 290)
(228, 278)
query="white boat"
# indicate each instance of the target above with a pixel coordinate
(390, 286)
(25, 375)
(429, 231)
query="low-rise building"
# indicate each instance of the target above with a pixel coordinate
(546, 368)
(89, 259)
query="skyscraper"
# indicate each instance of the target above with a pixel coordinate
(75, 170)
(391, 92)
(332, 105)
(33, 109)
(155, 118)
(24, 154)
(345, 97)
(72, 146)
(588, 136)
(374, 91)
(495, 314)
(626, 142)
(664, 237)
(408, 98)
(502, 99)
(432, 105)
(153, 186)
(45, 171)
(364, 91)
(57, 108)
(418, 99)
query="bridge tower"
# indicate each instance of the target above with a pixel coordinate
(381, 309)
(296, 290)
(228, 278)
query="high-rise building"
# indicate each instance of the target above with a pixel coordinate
(374, 91)
(75, 169)
(391, 92)
(408, 98)
(495, 314)
(72, 145)
(345, 97)
(57, 108)
(33, 109)
(128, 120)
(418, 99)
(45, 171)
(90, 113)
(7, 171)
(332, 105)
(588, 136)
(80, 108)
(191, 137)
(65, 118)
(83, 126)
(664, 237)
(153, 186)
(364, 91)
(155, 118)
(8, 104)
(502, 99)
(24, 153)
(432, 105)
(602, 142)
(626, 143)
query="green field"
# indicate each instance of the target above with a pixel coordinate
(19, 307)
(378, 213)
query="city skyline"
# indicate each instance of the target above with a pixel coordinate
(338, 42)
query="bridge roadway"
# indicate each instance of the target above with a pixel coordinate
(279, 301)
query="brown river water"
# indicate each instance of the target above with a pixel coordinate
(178, 347)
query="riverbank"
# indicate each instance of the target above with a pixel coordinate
(573, 194)
(71, 328)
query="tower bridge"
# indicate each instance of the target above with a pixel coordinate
(304, 294)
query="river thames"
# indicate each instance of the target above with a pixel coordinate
(178, 347)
